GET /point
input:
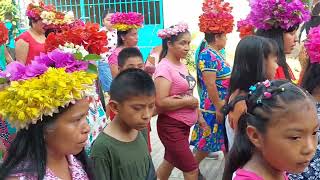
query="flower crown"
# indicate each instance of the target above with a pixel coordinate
(86, 35)
(216, 17)
(173, 31)
(3, 34)
(49, 16)
(39, 90)
(268, 14)
(245, 28)
(312, 45)
(34, 10)
(52, 80)
(126, 21)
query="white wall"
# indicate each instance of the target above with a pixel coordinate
(188, 11)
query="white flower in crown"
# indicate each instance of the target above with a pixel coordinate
(69, 17)
(47, 17)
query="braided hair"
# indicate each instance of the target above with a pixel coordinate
(263, 100)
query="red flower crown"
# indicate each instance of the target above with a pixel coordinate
(216, 17)
(89, 36)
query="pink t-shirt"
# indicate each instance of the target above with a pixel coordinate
(113, 58)
(242, 174)
(181, 84)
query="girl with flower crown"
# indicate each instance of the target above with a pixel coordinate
(311, 82)
(178, 107)
(127, 25)
(279, 20)
(213, 74)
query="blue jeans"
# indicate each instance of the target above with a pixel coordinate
(105, 76)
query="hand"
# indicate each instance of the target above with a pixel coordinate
(202, 123)
(234, 116)
(192, 102)
(219, 114)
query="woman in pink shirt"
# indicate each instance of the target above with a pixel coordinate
(127, 35)
(178, 109)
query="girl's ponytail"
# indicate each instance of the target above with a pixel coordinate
(241, 150)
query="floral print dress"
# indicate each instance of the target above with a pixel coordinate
(210, 140)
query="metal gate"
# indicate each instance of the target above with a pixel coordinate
(92, 10)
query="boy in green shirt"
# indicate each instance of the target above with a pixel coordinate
(120, 152)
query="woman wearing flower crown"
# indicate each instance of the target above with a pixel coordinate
(279, 20)
(311, 82)
(127, 25)
(31, 43)
(178, 107)
(213, 74)
(47, 101)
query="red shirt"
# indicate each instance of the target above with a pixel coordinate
(280, 74)
(35, 48)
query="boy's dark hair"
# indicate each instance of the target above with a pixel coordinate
(127, 53)
(260, 112)
(131, 83)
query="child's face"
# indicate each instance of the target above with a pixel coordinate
(271, 66)
(137, 112)
(133, 62)
(290, 141)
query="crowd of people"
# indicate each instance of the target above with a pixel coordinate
(76, 100)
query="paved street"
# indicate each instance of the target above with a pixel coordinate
(210, 168)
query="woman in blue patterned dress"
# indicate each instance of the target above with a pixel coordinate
(213, 74)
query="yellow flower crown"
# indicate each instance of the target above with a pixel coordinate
(26, 102)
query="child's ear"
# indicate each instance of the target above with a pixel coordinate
(255, 136)
(114, 106)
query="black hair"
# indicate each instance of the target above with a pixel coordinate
(260, 111)
(250, 61)
(209, 38)
(27, 153)
(171, 39)
(31, 21)
(131, 83)
(107, 11)
(126, 53)
(120, 34)
(277, 35)
(311, 78)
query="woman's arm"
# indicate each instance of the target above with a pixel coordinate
(22, 49)
(209, 78)
(170, 103)
(114, 70)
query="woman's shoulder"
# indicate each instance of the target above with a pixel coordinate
(24, 36)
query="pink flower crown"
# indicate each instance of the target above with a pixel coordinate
(126, 21)
(313, 45)
(269, 14)
(173, 31)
